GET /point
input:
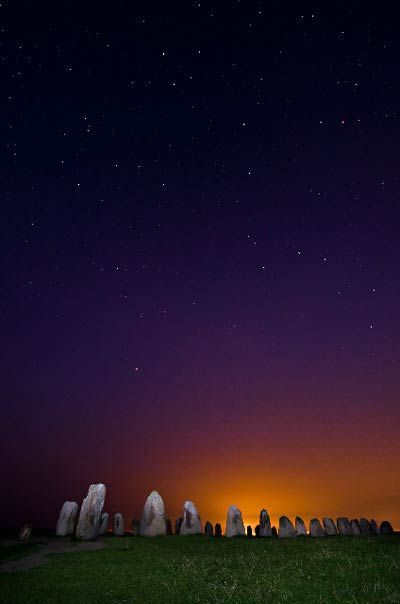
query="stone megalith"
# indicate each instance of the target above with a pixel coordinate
(234, 523)
(265, 524)
(374, 527)
(191, 523)
(316, 529)
(300, 527)
(249, 531)
(66, 520)
(152, 522)
(90, 514)
(104, 523)
(386, 528)
(135, 526)
(25, 533)
(274, 531)
(365, 526)
(218, 530)
(344, 526)
(286, 528)
(355, 526)
(329, 527)
(257, 531)
(178, 523)
(208, 529)
(168, 526)
(118, 525)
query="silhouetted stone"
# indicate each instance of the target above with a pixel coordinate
(374, 527)
(234, 523)
(118, 525)
(329, 527)
(178, 523)
(191, 523)
(300, 527)
(386, 528)
(90, 514)
(218, 530)
(265, 524)
(104, 523)
(208, 529)
(274, 531)
(135, 526)
(249, 531)
(344, 526)
(152, 522)
(316, 529)
(355, 526)
(257, 530)
(365, 526)
(66, 520)
(286, 528)
(25, 533)
(168, 527)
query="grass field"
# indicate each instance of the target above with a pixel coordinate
(130, 570)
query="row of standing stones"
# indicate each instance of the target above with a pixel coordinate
(92, 522)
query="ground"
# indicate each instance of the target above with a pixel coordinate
(130, 570)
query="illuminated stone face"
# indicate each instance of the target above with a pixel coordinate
(191, 523)
(153, 522)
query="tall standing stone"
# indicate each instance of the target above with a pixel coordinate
(135, 526)
(178, 523)
(316, 529)
(286, 528)
(374, 527)
(329, 527)
(386, 528)
(90, 514)
(168, 526)
(25, 533)
(66, 520)
(265, 524)
(249, 531)
(208, 529)
(344, 526)
(274, 531)
(118, 525)
(365, 526)
(191, 523)
(104, 523)
(234, 523)
(300, 527)
(152, 522)
(218, 530)
(257, 531)
(355, 526)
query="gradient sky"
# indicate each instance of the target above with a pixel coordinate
(200, 256)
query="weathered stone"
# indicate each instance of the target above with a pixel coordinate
(168, 527)
(386, 528)
(257, 530)
(118, 525)
(274, 531)
(249, 531)
(66, 520)
(218, 530)
(135, 526)
(300, 527)
(374, 527)
(355, 526)
(365, 526)
(178, 523)
(152, 522)
(234, 523)
(316, 529)
(344, 526)
(104, 523)
(265, 524)
(208, 529)
(90, 514)
(25, 533)
(329, 527)
(191, 523)
(286, 528)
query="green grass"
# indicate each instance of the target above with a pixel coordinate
(351, 570)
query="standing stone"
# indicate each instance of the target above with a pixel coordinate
(191, 523)
(374, 527)
(208, 529)
(329, 527)
(118, 526)
(286, 528)
(135, 526)
(90, 514)
(344, 526)
(257, 530)
(25, 533)
(274, 531)
(249, 531)
(218, 530)
(355, 525)
(234, 523)
(300, 527)
(66, 520)
(178, 523)
(104, 523)
(365, 526)
(316, 529)
(152, 522)
(386, 528)
(265, 524)
(168, 526)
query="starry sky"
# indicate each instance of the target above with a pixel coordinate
(200, 257)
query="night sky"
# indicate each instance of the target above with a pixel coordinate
(200, 257)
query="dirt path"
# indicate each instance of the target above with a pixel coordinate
(59, 546)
